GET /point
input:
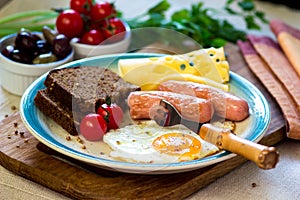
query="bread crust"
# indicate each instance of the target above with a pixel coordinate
(71, 93)
(84, 89)
(56, 111)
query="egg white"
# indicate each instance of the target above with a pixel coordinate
(133, 143)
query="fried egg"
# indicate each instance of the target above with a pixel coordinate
(148, 142)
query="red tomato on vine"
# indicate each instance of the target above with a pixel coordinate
(93, 126)
(113, 29)
(81, 6)
(70, 23)
(112, 113)
(101, 10)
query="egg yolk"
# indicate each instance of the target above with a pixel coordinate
(185, 146)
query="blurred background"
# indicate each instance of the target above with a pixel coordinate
(289, 3)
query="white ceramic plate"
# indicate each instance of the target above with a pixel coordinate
(50, 134)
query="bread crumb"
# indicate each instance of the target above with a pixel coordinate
(79, 140)
(22, 134)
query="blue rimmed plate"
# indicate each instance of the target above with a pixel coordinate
(50, 134)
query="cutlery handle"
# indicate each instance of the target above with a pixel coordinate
(265, 157)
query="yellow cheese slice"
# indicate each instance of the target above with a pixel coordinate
(219, 59)
(184, 77)
(149, 72)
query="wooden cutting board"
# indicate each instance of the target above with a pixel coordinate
(22, 154)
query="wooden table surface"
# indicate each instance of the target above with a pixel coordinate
(245, 182)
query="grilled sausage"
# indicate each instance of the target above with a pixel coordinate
(226, 104)
(191, 108)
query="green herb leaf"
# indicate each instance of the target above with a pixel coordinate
(247, 5)
(261, 16)
(161, 7)
(231, 11)
(229, 2)
(251, 24)
(218, 42)
(180, 15)
(200, 23)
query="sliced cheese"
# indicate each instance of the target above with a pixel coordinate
(219, 59)
(149, 72)
(153, 85)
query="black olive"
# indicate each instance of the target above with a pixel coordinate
(42, 47)
(21, 57)
(25, 41)
(61, 46)
(30, 46)
(8, 50)
(36, 37)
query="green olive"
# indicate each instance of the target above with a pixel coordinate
(44, 58)
(49, 34)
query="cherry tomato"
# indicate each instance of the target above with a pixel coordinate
(70, 23)
(101, 10)
(81, 6)
(93, 126)
(92, 37)
(113, 29)
(112, 113)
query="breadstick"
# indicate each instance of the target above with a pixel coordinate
(289, 39)
(275, 87)
(272, 54)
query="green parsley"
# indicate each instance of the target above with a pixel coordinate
(200, 23)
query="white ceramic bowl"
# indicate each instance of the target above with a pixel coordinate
(15, 77)
(85, 50)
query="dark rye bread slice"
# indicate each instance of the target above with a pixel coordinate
(83, 89)
(56, 111)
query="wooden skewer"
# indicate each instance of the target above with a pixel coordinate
(265, 157)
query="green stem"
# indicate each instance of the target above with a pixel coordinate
(23, 15)
(22, 24)
(25, 25)
(4, 32)
(45, 17)
(11, 30)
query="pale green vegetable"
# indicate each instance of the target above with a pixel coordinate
(32, 20)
